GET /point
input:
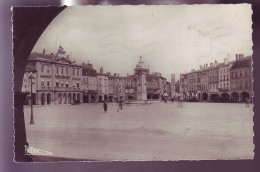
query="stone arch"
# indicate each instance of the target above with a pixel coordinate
(48, 98)
(86, 99)
(78, 97)
(43, 99)
(224, 97)
(243, 96)
(204, 96)
(69, 98)
(64, 98)
(105, 98)
(74, 97)
(100, 98)
(93, 98)
(110, 98)
(59, 98)
(214, 97)
(235, 97)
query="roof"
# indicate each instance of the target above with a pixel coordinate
(242, 62)
(51, 58)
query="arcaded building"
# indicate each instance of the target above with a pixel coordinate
(241, 86)
(58, 78)
(220, 82)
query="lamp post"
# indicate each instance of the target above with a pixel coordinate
(31, 119)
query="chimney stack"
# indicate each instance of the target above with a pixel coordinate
(216, 62)
(207, 66)
(225, 61)
(241, 55)
(237, 56)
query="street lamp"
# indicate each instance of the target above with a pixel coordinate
(31, 80)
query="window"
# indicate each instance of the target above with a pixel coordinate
(61, 70)
(61, 85)
(77, 85)
(42, 82)
(57, 70)
(42, 68)
(78, 72)
(67, 71)
(67, 85)
(48, 83)
(48, 70)
(73, 71)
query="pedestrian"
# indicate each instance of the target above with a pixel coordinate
(120, 106)
(105, 106)
(247, 104)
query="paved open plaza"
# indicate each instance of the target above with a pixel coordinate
(159, 131)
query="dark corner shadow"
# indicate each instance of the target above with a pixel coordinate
(28, 25)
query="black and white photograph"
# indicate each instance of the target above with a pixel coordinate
(135, 83)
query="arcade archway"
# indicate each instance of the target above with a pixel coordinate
(235, 97)
(99, 98)
(48, 98)
(224, 97)
(204, 96)
(244, 96)
(43, 99)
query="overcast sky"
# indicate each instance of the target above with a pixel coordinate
(171, 39)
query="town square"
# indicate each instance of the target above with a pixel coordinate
(158, 131)
(139, 86)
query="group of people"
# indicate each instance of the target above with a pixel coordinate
(120, 106)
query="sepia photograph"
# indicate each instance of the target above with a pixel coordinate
(134, 83)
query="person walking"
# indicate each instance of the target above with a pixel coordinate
(120, 106)
(105, 106)
(247, 104)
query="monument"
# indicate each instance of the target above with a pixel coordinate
(140, 73)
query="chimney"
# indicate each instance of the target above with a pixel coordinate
(216, 62)
(101, 70)
(206, 66)
(241, 55)
(237, 56)
(226, 61)
(114, 74)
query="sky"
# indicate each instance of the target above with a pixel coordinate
(170, 38)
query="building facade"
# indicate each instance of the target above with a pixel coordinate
(241, 87)
(220, 82)
(58, 79)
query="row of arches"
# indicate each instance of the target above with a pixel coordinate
(97, 98)
(225, 97)
(61, 98)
